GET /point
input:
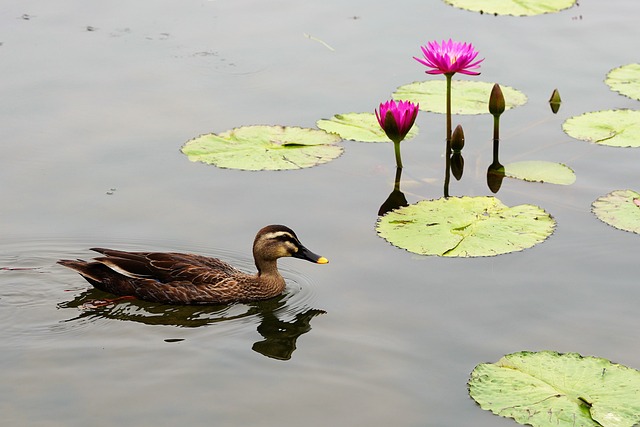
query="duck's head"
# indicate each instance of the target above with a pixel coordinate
(277, 241)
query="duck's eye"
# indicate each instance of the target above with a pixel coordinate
(285, 248)
(286, 238)
(291, 246)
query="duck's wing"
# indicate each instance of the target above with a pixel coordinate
(166, 267)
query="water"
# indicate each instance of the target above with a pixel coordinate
(100, 97)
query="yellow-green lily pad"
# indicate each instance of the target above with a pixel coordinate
(615, 128)
(512, 7)
(619, 209)
(358, 127)
(467, 97)
(264, 148)
(540, 171)
(545, 389)
(625, 80)
(465, 227)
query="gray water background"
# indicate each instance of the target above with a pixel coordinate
(98, 97)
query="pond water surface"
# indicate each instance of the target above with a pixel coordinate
(98, 97)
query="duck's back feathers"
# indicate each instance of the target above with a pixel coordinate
(164, 277)
(164, 266)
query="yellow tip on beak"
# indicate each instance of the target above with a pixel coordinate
(322, 260)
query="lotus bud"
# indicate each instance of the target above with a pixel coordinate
(495, 175)
(496, 101)
(457, 165)
(397, 118)
(555, 101)
(391, 127)
(457, 139)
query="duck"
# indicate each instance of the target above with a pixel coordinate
(187, 279)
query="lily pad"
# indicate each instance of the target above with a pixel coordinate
(467, 97)
(625, 80)
(560, 390)
(465, 227)
(619, 209)
(512, 7)
(539, 171)
(358, 127)
(264, 148)
(615, 128)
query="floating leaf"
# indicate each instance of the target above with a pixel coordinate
(513, 7)
(619, 209)
(358, 127)
(465, 227)
(560, 390)
(616, 128)
(539, 171)
(264, 148)
(467, 97)
(625, 80)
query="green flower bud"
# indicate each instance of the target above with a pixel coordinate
(555, 101)
(457, 139)
(496, 101)
(457, 165)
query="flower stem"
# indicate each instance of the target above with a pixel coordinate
(396, 146)
(447, 172)
(449, 76)
(496, 137)
(396, 184)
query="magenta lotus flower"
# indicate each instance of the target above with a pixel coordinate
(449, 58)
(397, 118)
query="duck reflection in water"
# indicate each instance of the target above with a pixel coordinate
(280, 336)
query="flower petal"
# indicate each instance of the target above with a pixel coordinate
(449, 57)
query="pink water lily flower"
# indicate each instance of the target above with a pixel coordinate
(449, 58)
(397, 118)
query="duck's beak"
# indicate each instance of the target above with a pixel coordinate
(304, 253)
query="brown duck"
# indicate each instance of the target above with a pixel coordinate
(179, 278)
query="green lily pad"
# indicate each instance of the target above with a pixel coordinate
(560, 390)
(615, 128)
(625, 80)
(465, 227)
(467, 97)
(264, 148)
(512, 7)
(619, 209)
(539, 171)
(358, 127)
